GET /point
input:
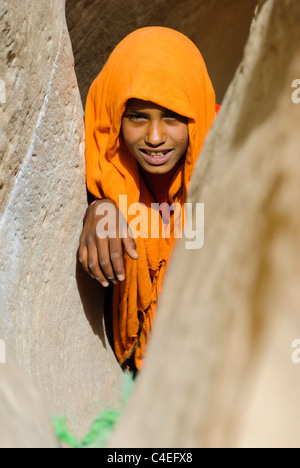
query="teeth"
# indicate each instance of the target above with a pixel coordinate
(155, 154)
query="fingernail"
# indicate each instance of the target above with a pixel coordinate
(104, 284)
(121, 277)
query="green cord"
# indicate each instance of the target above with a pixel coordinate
(102, 427)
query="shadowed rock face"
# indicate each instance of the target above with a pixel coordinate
(219, 370)
(218, 27)
(43, 294)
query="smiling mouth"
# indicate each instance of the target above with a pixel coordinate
(156, 154)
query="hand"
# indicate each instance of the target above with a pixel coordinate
(101, 251)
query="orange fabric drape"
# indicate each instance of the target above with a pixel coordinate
(162, 66)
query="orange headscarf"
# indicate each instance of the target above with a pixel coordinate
(162, 66)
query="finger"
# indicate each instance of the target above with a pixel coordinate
(130, 245)
(93, 265)
(116, 256)
(83, 257)
(105, 260)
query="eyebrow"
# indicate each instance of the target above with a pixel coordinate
(134, 111)
(145, 114)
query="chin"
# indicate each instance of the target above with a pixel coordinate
(158, 169)
(163, 169)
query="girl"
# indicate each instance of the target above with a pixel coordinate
(147, 115)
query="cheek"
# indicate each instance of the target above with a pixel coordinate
(131, 134)
(181, 136)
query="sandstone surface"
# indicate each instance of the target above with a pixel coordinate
(24, 419)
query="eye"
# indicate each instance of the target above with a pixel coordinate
(135, 117)
(172, 116)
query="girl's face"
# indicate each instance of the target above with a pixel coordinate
(157, 137)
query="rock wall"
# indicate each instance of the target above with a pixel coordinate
(24, 419)
(220, 371)
(51, 315)
(220, 29)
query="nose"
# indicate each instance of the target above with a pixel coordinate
(156, 134)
